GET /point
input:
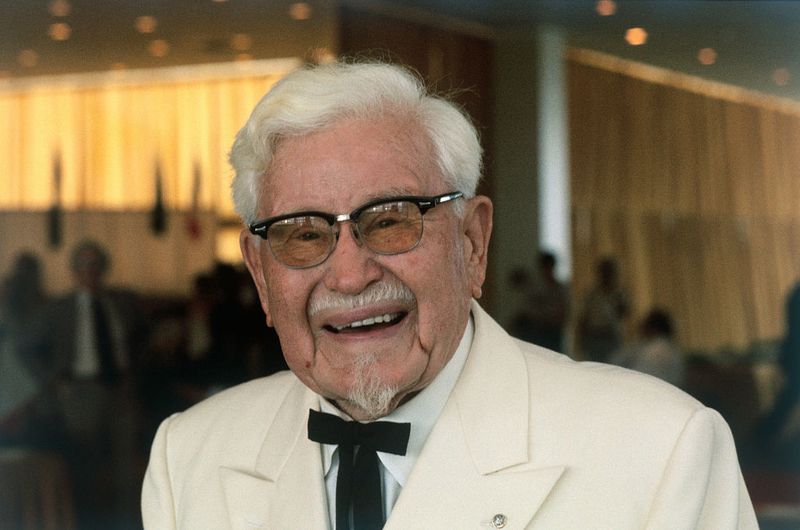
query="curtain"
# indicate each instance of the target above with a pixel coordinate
(694, 188)
(111, 131)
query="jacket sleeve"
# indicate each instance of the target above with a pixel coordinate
(702, 487)
(158, 503)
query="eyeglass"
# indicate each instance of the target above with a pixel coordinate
(387, 226)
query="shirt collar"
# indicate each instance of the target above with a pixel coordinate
(421, 411)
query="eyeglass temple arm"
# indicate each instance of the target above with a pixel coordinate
(424, 206)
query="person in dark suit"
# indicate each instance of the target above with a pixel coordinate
(84, 348)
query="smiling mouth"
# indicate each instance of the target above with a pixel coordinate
(369, 324)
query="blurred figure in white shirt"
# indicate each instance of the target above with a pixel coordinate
(655, 353)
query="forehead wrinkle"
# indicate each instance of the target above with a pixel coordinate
(411, 147)
(281, 159)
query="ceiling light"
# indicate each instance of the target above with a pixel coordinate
(28, 58)
(636, 36)
(59, 8)
(158, 48)
(707, 56)
(146, 24)
(241, 42)
(59, 31)
(781, 76)
(300, 11)
(605, 8)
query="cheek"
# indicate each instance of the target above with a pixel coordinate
(450, 279)
(288, 299)
(443, 294)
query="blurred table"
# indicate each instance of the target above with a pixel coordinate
(35, 493)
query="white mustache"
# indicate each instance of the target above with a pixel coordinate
(374, 293)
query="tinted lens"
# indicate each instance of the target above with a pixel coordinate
(391, 227)
(300, 241)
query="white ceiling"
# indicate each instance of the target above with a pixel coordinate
(752, 39)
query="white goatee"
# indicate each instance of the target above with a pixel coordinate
(368, 392)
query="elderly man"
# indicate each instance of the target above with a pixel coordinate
(368, 248)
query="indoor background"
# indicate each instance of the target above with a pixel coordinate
(662, 134)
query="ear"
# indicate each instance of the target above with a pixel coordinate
(251, 252)
(477, 231)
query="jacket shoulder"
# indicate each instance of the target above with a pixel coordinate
(611, 403)
(243, 408)
(603, 383)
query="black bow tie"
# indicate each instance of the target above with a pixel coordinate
(358, 482)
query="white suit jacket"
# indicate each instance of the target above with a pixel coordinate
(528, 434)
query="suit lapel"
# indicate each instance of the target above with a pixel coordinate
(476, 462)
(286, 488)
(445, 490)
(247, 497)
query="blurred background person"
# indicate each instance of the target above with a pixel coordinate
(214, 340)
(600, 327)
(780, 428)
(84, 347)
(548, 306)
(520, 324)
(239, 347)
(22, 418)
(655, 353)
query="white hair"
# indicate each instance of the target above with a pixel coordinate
(316, 97)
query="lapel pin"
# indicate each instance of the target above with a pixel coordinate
(499, 520)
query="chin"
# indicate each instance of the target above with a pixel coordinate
(373, 403)
(371, 391)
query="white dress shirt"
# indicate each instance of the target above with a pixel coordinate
(421, 412)
(86, 364)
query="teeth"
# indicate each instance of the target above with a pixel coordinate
(365, 322)
(388, 317)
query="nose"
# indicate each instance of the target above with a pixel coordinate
(353, 232)
(351, 265)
